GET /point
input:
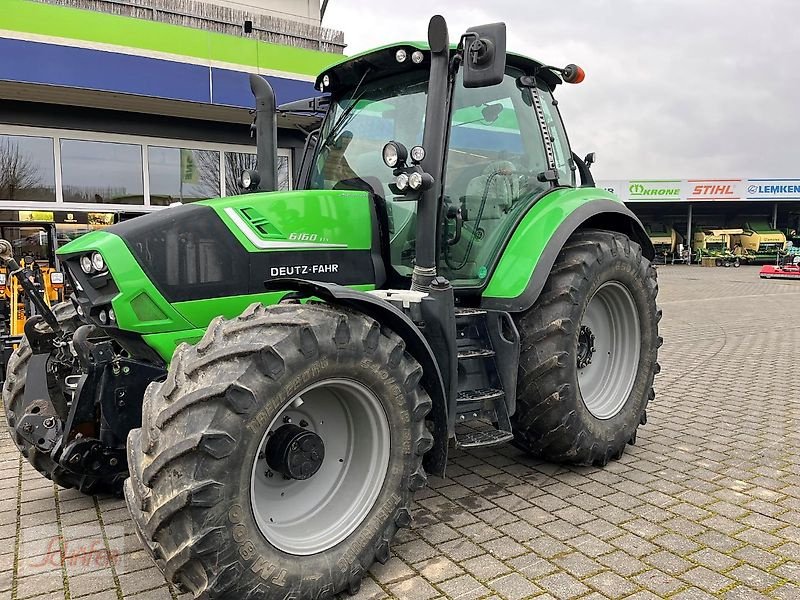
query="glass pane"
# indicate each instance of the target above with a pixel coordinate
(495, 156)
(101, 172)
(182, 175)
(27, 242)
(27, 168)
(559, 137)
(72, 231)
(237, 163)
(350, 153)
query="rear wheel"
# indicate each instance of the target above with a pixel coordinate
(588, 352)
(279, 457)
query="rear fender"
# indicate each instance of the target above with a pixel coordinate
(534, 246)
(385, 313)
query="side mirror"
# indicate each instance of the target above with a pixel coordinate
(484, 55)
(590, 159)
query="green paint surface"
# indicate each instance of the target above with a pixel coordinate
(337, 217)
(25, 16)
(131, 281)
(529, 240)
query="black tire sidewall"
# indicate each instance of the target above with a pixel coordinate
(627, 271)
(245, 560)
(245, 535)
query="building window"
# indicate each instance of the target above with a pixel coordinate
(238, 162)
(101, 172)
(182, 175)
(27, 168)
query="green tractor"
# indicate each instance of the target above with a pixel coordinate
(270, 377)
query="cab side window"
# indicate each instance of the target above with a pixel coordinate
(558, 137)
(495, 153)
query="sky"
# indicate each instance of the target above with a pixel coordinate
(674, 89)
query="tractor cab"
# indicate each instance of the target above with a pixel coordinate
(504, 146)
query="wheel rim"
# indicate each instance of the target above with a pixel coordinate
(607, 368)
(309, 516)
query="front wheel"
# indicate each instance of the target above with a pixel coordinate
(279, 457)
(589, 349)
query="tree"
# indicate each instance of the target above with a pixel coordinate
(17, 170)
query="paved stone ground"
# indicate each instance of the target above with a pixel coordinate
(707, 504)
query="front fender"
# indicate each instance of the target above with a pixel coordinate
(416, 344)
(531, 252)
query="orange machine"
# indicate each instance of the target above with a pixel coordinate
(36, 243)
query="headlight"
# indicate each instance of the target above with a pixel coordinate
(417, 57)
(112, 316)
(86, 264)
(394, 154)
(402, 182)
(56, 278)
(415, 180)
(103, 317)
(98, 263)
(326, 80)
(418, 154)
(401, 55)
(250, 179)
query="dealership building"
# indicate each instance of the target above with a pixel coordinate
(113, 108)
(690, 205)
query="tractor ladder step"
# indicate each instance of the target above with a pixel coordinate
(469, 312)
(477, 353)
(480, 395)
(483, 439)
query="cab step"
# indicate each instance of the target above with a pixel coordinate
(483, 439)
(480, 395)
(475, 353)
(469, 312)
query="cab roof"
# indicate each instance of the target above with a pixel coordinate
(382, 62)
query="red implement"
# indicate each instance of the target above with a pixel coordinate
(784, 272)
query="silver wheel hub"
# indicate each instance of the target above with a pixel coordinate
(320, 467)
(608, 349)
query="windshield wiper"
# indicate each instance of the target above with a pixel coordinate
(341, 121)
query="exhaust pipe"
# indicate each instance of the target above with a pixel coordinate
(265, 128)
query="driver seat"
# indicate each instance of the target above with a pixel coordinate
(488, 199)
(495, 190)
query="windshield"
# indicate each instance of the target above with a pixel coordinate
(349, 156)
(356, 130)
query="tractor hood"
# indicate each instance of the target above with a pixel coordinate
(177, 268)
